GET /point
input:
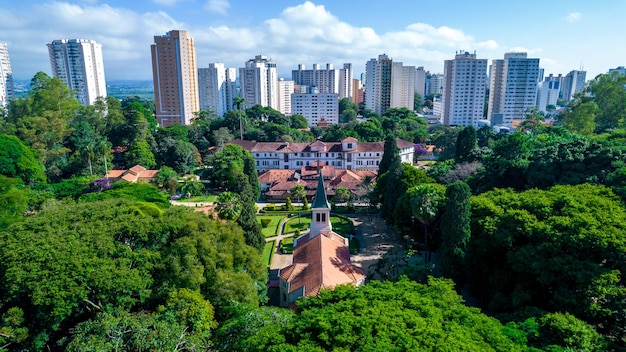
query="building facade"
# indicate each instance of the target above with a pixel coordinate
(321, 258)
(316, 107)
(175, 76)
(6, 76)
(78, 63)
(285, 89)
(349, 154)
(548, 93)
(345, 82)
(403, 81)
(463, 98)
(378, 84)
(573, 83)
(258, 82)
(513, 90)
(217, 86)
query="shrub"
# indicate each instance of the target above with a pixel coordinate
(265, 223)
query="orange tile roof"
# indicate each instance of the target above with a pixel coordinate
(273, 175)
(323, 261)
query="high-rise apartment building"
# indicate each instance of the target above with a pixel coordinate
(175, 76)
(378, 84)
(345, 82)
(325, 80)
(434, 84)
(358, 93)
(285, 89)
(258, 82)
(389, 84)
(420, 81)
(513, 88)
(78, 63)
(316, 107)
(573, 83)
(217, 87)
(6, 76)
(548, 92)
(463, 98)
(403, 80)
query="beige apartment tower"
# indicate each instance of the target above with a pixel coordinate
(175, 78)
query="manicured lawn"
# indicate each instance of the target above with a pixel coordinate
(286, 245)
(268, 251)
(210, 198)
(272, 229)
(294, 224)
(341, 225)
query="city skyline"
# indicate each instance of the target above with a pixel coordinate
(564, 35)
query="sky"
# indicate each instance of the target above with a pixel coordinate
(565, 34)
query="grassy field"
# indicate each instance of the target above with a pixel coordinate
(272, 229)
(268, 251)
(300, 224)
(209, 198)
(340, 224)
(286, 245)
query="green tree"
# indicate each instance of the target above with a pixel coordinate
(167, 178)
(342, 194)
(386, 316)
(18, 160)
(466, 144)
(228, 206)
(140, 153)
(298, 121)
(609, 95)
(581, 118)
(247, 220)
(548, 249)
(42, 120)
(455, 231)
(426, 201)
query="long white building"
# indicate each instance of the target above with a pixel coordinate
(78, 63)
(463, 99)
(513, 89)
(6, 76)
(258, 82)
(217, 86)
(349, 154)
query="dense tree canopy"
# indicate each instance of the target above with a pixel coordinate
(71, 262)
(386, 316)
(561, 249)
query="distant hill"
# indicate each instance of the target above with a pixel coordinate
(118, 89)
(126, 88)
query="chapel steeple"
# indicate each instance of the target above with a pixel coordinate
(320, 210)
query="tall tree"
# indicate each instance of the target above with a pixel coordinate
(391, 153)
(247, 220)
(455, 231)
(466, 144)
(426, 201)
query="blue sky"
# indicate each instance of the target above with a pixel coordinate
(565, 35)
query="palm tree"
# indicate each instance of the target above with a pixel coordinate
(229, 206)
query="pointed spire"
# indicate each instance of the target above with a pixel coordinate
(320, 196)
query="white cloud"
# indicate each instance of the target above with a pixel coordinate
(217, 6)
(302, 34)
(574, 17)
